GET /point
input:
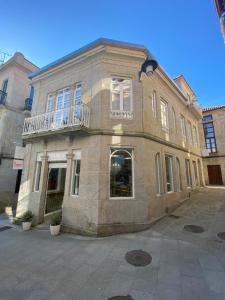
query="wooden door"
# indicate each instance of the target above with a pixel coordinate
(215, 175)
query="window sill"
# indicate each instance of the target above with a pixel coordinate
(121, 198)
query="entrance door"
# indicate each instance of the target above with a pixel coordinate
(215, 175)
(55, 187)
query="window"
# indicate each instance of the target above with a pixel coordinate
(183, 127)
(195, 136)
(195, 172)
(5, 85)
(121, 173)
(54, 179)
(37, 176)
(188, 172)
(76, 177)
(77, 99)
(164, 114)
(121, 94)
(158, 174)
(154, 105)
(174, 118)
(189, 130)
(169, 173)
(50, 104)
(179, 178)
(62, 107)
(209, 132)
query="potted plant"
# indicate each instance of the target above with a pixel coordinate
(55, 224)
(26, 220)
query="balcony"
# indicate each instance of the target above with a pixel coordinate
(3, 96)
(72, 117)
(119, 114)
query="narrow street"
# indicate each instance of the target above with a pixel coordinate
(184, 265)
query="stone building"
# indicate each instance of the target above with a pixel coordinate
(213, 144)
(14, 89)
(113, 152)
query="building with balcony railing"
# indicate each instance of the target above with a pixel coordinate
(109, 147)
(14, 89)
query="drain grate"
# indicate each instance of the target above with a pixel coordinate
(5, 228)
(194, 228)
(174, 216)
(138, 258)
(128, 297)
(221, 235)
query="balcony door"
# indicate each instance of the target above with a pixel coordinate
(62, 108)
(55, 186)
(77, 103)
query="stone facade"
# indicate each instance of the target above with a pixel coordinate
(12, 116)
(140, 131)
(216, 158)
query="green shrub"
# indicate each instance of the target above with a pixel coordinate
(27, 216)
(56, 219)
(17, 221)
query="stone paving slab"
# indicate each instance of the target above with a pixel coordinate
(185, 266)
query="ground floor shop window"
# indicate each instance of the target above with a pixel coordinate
(169, 173)
(121, 173)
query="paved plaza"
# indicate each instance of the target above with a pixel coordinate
(185, 265)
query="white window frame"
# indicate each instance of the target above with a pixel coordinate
(121, 104)
(158, 173)
(164, 114)
(74, 176)
(112, 151)
(66, 91)
(154, 104)
(183, 127)
(50, 98)
(37, 176)
(171, 170)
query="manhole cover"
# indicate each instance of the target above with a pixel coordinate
(138, 258)
(5, 228)
(194, 228)
(128, 297)
(221, 235)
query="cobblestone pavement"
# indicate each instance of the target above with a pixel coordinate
(185, 265)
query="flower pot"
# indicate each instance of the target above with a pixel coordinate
(55, 229)
(26, 225)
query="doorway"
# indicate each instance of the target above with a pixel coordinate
(55, 187)
(215, 175)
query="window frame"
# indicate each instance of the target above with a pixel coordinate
(189, 132)
(183, 127)
(170, 157)
(188, 174)
(112, 151)
(121, 103)
(166, 115)
(179, 184)
(174, 119)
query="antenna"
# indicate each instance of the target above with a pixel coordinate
(4, 56)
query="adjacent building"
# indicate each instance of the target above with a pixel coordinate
(112, 152)
(213, 144)
(14, 90)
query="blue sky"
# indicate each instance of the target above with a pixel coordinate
(183, 35)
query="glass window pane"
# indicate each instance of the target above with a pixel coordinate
(121, 173)
(76, 177)
(169, 173)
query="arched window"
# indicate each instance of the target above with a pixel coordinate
(179, 180)
(158, 174)
(121, 173)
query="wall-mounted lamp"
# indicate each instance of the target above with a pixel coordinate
(148, 67)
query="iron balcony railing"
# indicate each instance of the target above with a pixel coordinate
(2, 97)
(59, 119)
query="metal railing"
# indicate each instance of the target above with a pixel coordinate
(59, 119)
(3, 96)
